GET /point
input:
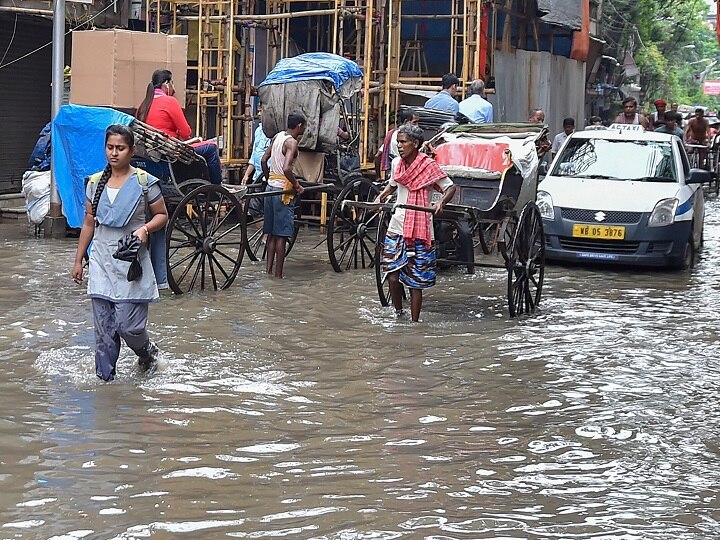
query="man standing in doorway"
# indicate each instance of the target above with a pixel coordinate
(476, 107)
(445, 99)
(279, 224)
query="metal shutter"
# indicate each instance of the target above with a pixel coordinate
(25, 94)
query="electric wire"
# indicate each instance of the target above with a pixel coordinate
(50, 42)
(12, 38)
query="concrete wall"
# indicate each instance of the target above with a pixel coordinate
(525, 80)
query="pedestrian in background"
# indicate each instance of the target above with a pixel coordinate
(568, 128)
(260, 144)
(536, 116)
(657, 119)
(478, 109)
(670, 124)
(445, 99)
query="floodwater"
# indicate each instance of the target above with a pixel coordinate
(303, 409)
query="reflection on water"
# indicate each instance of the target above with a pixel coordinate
(302, 409)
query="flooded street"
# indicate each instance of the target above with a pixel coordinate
(303, 409)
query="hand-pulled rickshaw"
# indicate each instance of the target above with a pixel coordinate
(493, 213)
(211, 227)
(325, 88)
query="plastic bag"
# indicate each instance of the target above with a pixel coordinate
(36, 190)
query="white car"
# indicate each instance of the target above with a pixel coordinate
(623, 196)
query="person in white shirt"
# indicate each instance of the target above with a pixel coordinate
(568, 128)
(476, 107)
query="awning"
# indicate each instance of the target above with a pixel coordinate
(565, 13)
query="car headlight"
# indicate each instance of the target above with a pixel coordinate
(545, 205)
(663, 213)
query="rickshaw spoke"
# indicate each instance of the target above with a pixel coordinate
(346, 249)
(214, 224)
(353, 256)
(198, 234)
(225, 256)
(204, 223)
(212, 271)
(530, 301)
(366, 249)
(350, 221)
(231, 229)
(187, 268)
(222, 222)
(344, 243)
(179, 244)
(197, 272)
(194, 254)
(219, 266)
(230, 243)
(182, 229)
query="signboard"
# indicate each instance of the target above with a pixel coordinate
(626, 127)
(711, 88)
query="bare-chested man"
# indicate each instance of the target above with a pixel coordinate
(696, 133)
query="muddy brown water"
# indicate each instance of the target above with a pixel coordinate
(303, 409)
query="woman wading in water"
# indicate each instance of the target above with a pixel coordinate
(120, 201)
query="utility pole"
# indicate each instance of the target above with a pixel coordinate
(54, 223)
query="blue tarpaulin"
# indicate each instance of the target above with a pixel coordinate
(313, 66)
(78, 144)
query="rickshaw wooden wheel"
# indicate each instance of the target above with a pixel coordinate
(204, 245)
(253, 219)
(187, 186)
(352, 233)
(526, 262)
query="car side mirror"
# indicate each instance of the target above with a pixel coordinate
(699, 176)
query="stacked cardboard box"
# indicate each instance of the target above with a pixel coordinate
(113, 67)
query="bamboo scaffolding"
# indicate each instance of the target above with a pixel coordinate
(374, 38)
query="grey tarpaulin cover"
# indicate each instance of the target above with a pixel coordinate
(320, 106)
(313, 84)
(566, 13)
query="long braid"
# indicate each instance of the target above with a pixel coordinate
(100, 187)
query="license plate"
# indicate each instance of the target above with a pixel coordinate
(603, 232)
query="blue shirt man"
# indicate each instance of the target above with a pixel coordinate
(476, 107)
(445, 99)
(260, 144)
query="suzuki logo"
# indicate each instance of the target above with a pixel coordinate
(600, 216)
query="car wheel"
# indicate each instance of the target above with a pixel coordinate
(687, 261)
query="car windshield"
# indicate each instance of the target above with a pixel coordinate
(643, 161)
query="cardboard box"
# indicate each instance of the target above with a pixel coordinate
(113, 67)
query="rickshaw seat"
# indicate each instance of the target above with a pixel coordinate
(488, 155)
